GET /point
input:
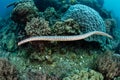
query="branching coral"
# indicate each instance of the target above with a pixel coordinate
(85, 75)
(7, 71)
(37, 27)
(68, 27)
(109, 65)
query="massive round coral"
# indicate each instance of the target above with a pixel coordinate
(88, 19)
(23, 12)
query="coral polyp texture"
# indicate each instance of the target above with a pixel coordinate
(37, 27)
(68, 27)
(7, 71)
(23, 12)
(88, 19)
(109, 65)
(85, 75)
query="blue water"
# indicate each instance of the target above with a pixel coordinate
(110, 5)
(5, 12)
(113, 6)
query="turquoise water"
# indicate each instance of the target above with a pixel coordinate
(3, 8)
(110, 5)
(113, 6)
(59, 39)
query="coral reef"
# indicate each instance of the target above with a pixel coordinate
(97, 5)
(117, 49)
(68, 27)
(23, 12)
(61, 60)
(109, 65)
(43, 4)
(37, 27)
(52, 60)
(17, 2)
(7, 71)
(69, 1)
(90, 3)
(42, 56)
(37, 75)
(3, 22)
(51, 15)
(8, 36)
(88, 19)
(117, 78)
(9, 42)
(85, 75)
(50, 11)
(110, 25)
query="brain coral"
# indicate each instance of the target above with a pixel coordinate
(88, 19)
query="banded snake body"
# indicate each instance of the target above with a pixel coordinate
(63, 38)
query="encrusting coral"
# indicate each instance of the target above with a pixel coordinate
(109, 65)
(23, 12)
(37, 27)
